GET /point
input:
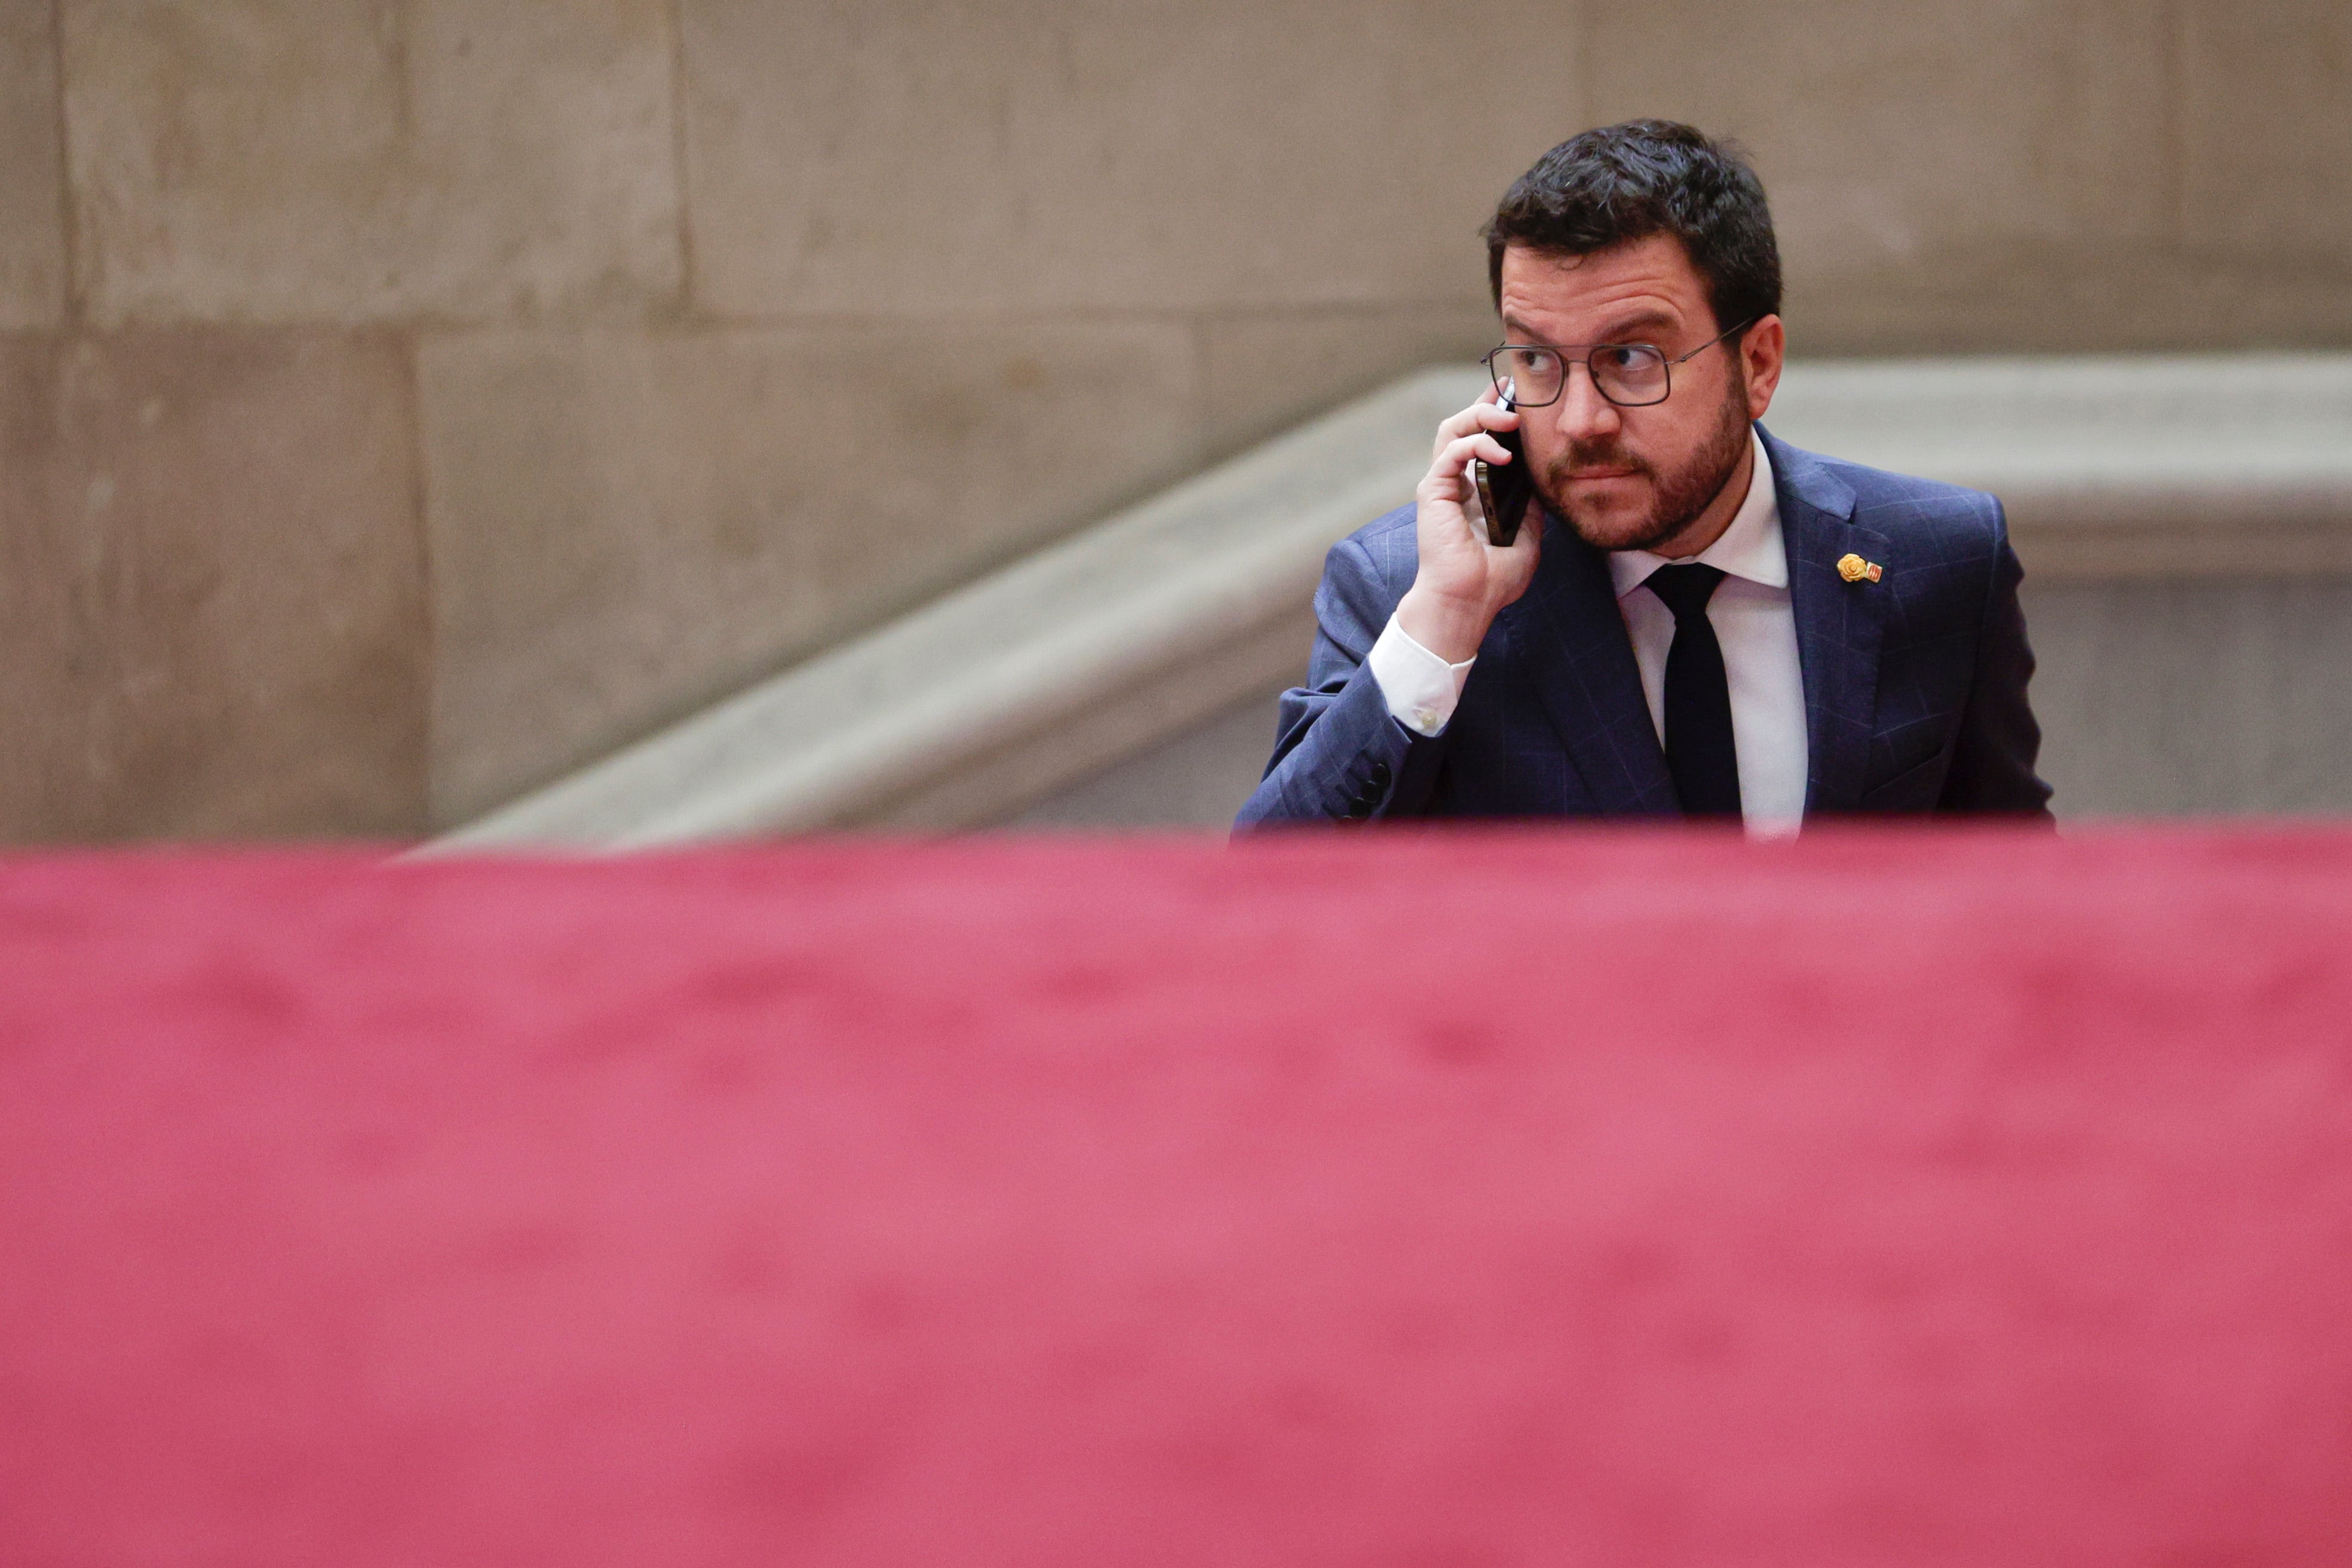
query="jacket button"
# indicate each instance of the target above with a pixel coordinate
(1381, 774)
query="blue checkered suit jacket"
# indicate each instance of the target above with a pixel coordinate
(1915, 684)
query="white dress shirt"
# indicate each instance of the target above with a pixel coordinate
(1754, 622)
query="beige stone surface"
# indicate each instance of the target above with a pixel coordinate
(2076, 298)
(1265, 372)
(212, 609)
(1939, 172)
(626, 526)
(1199, 777)
(999, 691)
(901, 156)
(2194, 697)
(359, 160)
(32, 225)
(653, 248)
(2266, 104)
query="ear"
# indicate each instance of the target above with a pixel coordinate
(1761, 349)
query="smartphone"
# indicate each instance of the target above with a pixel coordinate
(1503, 492)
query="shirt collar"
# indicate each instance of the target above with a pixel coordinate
(1749, 548)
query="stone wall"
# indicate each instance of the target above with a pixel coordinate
(406, 400)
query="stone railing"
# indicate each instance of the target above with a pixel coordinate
(993, 699)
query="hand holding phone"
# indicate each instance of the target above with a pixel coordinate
(1504, 491)
(1476, 554)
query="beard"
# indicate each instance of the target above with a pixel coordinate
(1675, 498)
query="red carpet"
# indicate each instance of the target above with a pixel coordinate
(1538, 1198)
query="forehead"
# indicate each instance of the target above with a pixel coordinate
(1579, 298)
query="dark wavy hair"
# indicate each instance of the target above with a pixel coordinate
(1625, 183)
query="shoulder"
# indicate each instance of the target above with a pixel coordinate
(1364, 576)
(1386, 548)
(1947, 521)
(1902, 502)
(1376, 563)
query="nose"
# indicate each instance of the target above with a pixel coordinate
(1582, 412)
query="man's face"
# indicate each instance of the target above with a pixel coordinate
(1633, 478)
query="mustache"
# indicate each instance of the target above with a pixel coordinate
(1592, 454)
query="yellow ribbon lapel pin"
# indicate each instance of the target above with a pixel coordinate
(1853, 568)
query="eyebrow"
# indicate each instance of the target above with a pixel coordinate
(1617, 332)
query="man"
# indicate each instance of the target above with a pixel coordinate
(1695, 618)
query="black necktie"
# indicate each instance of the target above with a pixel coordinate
(1699, 750)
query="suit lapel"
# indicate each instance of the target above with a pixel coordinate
(1581, 662)
(1840, 624)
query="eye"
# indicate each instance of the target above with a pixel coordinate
(1618, 356)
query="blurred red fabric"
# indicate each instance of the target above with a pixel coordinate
(1635, 1197)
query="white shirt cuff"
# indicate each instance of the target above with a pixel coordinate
(1420, 688)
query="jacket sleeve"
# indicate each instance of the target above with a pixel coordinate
(1339, 754)
(1999, 740)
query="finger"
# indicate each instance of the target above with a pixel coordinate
(1455, 455)
(1484, 415)
(1479, 416)
(1448, 478)
(1440, 486)
(1446, 483)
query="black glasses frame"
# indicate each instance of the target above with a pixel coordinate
(1567, 359)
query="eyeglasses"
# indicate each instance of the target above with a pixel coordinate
(1631, 375)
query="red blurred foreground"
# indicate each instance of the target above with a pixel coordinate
(1574, 1197)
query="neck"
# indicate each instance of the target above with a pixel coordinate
(1715, 516)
